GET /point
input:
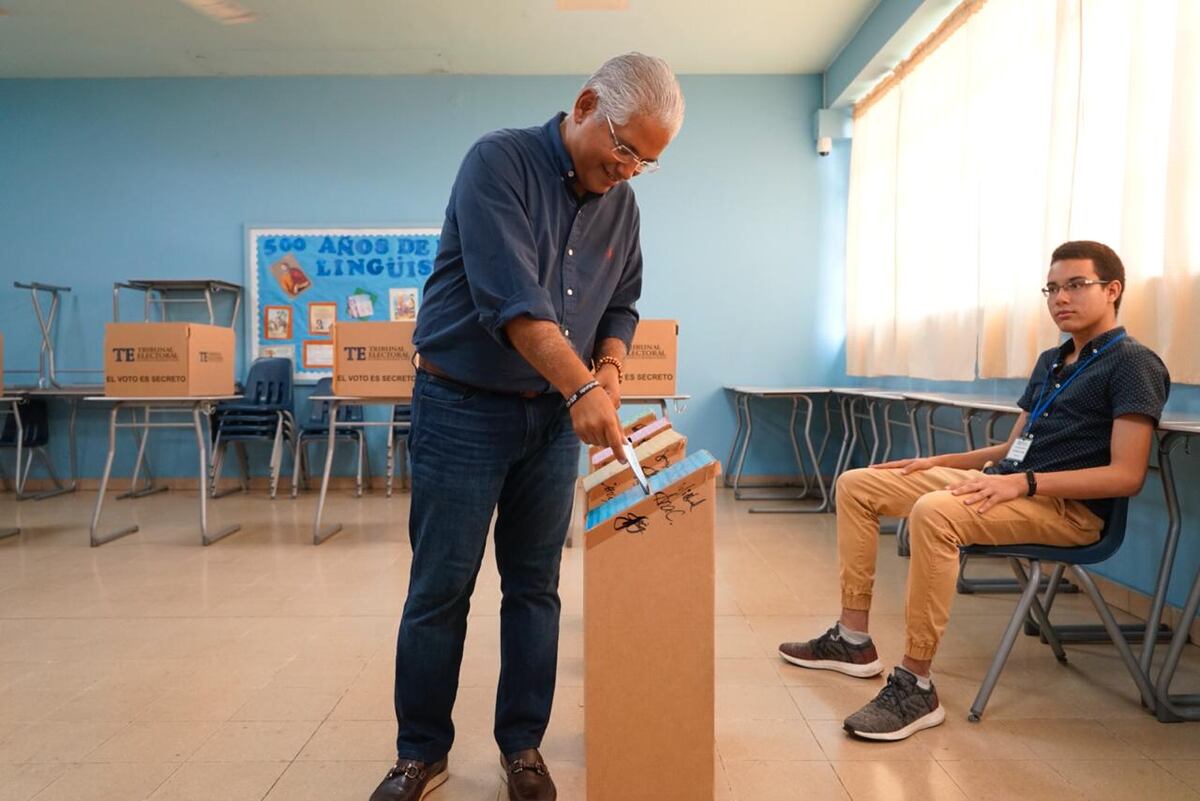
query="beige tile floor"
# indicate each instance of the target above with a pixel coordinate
(261, 668)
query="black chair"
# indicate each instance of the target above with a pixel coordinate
(1072, 559)
(315, 428)
(398, 449)
(263, 414)
(35, 436)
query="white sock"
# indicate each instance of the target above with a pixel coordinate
(924, 682)
(853, 637)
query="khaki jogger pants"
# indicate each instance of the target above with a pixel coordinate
(938, 524)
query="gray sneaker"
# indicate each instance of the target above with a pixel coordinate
(831, 652)
(900, 710)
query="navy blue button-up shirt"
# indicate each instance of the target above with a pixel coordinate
(518, 241)
(1075, 432)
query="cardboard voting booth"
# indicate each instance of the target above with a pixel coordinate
(651, 364)
(373, 359)
(168, 359)
(649, 575)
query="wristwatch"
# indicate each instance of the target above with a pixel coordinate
(1032, 484)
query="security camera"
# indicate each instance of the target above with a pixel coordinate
(824, 146)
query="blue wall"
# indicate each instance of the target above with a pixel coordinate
(743, 229)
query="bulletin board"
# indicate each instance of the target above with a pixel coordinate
(302, 280)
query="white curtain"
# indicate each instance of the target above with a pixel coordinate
(1034, 123)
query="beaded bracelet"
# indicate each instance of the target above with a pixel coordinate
(615, 362)
(579, 393)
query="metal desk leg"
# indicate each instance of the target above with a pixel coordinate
(150, 487)
(202, 449)
(738, 433)
(320, 536)
(773, 493)
(391, 449)
(737, 473)
(852, 426)
(796, 445)
(739, 440)
(72, 455)
(1173, 708)
(826, 499)
(816, 461)
(100, 539)
(844, 404)
(20, 472)
(1166, 471)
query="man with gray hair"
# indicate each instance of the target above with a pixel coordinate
(529, 311)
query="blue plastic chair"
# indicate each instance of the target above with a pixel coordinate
(398, 447)
(315, 428)
(264, 413)
(1073, 559)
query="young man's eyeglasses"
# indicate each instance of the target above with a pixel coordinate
(1072, 287)
(627, 156)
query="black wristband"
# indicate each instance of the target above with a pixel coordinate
(1032, 484)
(579, 393)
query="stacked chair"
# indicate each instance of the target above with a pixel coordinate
(263, 414)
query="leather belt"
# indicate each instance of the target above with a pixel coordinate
(433, 370)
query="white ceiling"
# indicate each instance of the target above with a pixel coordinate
(143, 38)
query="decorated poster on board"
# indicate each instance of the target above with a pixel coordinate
(303, 280)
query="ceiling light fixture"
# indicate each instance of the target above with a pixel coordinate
(226, 12)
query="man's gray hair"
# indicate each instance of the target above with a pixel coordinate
(638, 85)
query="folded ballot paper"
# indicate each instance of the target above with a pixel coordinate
(649, 601)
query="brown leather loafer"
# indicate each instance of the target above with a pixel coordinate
(411, 781)
(527, 777)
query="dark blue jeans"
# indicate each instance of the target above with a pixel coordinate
(474, 453)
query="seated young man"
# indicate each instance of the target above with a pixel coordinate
(1084, 438)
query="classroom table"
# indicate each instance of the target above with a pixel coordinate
(196, 407)
(335, 402)
(744, 430)
(73, 395)
(860, 404)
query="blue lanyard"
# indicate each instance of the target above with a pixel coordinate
(1039, 407)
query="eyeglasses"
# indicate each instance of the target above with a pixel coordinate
(1072, 287)
(626, 154)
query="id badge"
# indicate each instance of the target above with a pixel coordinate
(1019, 448)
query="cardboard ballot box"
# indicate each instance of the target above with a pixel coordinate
(373, 360)
(655, 454)
(168, 359)
(648, 638)
(649, 368)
